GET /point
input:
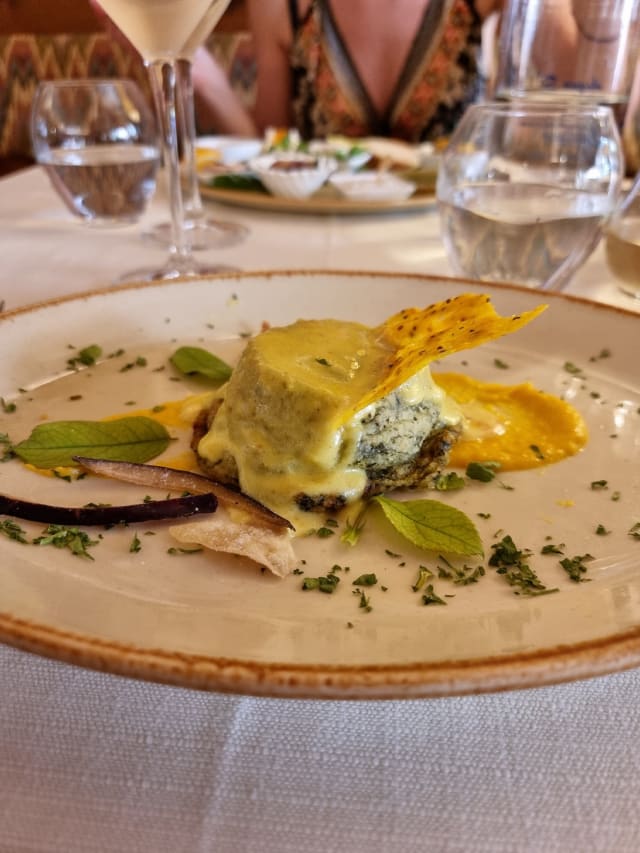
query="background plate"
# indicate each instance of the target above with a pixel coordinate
(325, 202)
(217, 622)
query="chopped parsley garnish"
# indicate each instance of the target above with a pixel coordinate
(575, 567)
(12, 530)
(366, 580)
(430, 597)
(634, 531)
(509, 561)
(6, 447)
(326, 583)
(572, 368)
(323, 362)
(482, 471)
(499, 363)
(85, 357)
(175, 551)
(60, 536)
(598, 485)
(136, 544)
(537, 452)
(601, 530)
(7, 408)
(364, 600)
(424, 574)
(552, 549)
(140, 361)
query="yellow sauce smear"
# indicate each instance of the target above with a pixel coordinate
(179, 414)
(516, 425)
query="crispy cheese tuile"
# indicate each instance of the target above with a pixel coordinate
(422, 335)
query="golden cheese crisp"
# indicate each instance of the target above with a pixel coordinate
(422, 335)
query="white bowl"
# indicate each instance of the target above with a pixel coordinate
(300, 176)
(350, 155)
(228, 150)
(372, 186)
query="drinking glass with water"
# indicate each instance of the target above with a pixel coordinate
(524, 190)
(98, 142)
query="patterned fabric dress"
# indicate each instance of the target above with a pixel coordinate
(439, 79)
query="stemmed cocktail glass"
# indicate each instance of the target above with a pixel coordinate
(164, 31)
(203, 231)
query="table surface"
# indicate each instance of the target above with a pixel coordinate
(94, 762)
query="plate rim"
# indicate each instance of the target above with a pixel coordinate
(557, 664)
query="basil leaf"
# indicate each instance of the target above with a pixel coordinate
(134, 439)
(192, 360)
(433, 525)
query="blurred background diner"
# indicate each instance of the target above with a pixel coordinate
(432, 60)
(284, 63)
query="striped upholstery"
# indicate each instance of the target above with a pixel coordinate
(26, 59)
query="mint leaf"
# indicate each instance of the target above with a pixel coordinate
(433, 525)
(134, 439)
(192, 360)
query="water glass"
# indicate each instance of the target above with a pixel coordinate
(524, 190)
(568, 49)
(98, 142)
(622, 242)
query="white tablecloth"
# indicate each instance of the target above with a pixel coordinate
(94, 762)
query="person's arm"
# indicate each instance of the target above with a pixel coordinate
(218, 108)
(271, 30)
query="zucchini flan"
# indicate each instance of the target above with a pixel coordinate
(321, 413)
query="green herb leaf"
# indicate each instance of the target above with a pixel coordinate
(432, 525)
(195, 360)
(134, 439)
(237, 182)
(449, 482)
(482, 471)
(366, 580)
(85, 357)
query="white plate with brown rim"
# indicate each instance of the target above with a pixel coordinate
(217, 622)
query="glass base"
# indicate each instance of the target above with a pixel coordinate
(172, 271)
(201, 234)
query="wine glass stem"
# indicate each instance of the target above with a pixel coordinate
(187, 121)
(163, 77)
